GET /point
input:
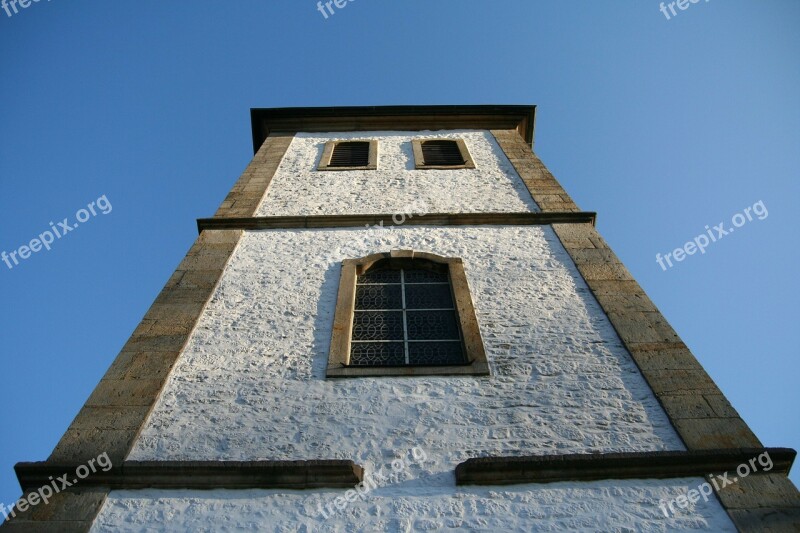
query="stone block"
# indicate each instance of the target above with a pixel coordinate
(604, 272)
(593, 256)
(721, 406)
(212, 248)
(759, 491)
(578, 244)
(183, 294)
(204, 262)
(622, 303)
(766, 520)
(676, 382)
(81, 445)
(633, 327)
(70, 506)
(120, 365)
(663, 356)
(715, 433)
(159, 343)
(201, 279)
(175, 278)
(169, 328)
(125, 392)
(151, 365)
(686, 406)
(183, 312)
(127, 417)
(616, 287)
(220, 236)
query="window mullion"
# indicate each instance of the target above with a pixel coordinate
(405, 320)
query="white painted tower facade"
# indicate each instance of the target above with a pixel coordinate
(250, 380)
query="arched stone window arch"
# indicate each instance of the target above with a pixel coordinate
(405, 313)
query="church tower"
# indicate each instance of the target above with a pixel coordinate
(398, 320)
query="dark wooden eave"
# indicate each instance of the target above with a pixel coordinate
(396, 118)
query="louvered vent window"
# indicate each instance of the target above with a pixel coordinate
(350, 154)
(442, 153)
(405, 317)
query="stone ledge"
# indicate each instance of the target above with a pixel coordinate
(633, 465)
(62, 526)
(477, 368)
(202, 475)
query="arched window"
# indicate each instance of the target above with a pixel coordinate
(405, 313)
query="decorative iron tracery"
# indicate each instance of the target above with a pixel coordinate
(405, 315)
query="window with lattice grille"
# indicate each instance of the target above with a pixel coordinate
(405, 313)
(349, 155)
(441, 154)
(405, 316)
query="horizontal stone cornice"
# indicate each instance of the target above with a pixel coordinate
(389, 220)
(633, 465)
(198, 475)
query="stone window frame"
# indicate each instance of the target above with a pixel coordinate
(419, 158)
(330, 146)
(339, 353)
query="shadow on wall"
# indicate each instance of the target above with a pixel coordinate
(632, 379)
(323, 321)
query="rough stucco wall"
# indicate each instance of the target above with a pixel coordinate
(250, 384)
(623, 506)
(299, 189)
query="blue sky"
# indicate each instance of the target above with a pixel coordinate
(661, 126)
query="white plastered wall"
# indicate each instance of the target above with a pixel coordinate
(250, 384)
(298, 188)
